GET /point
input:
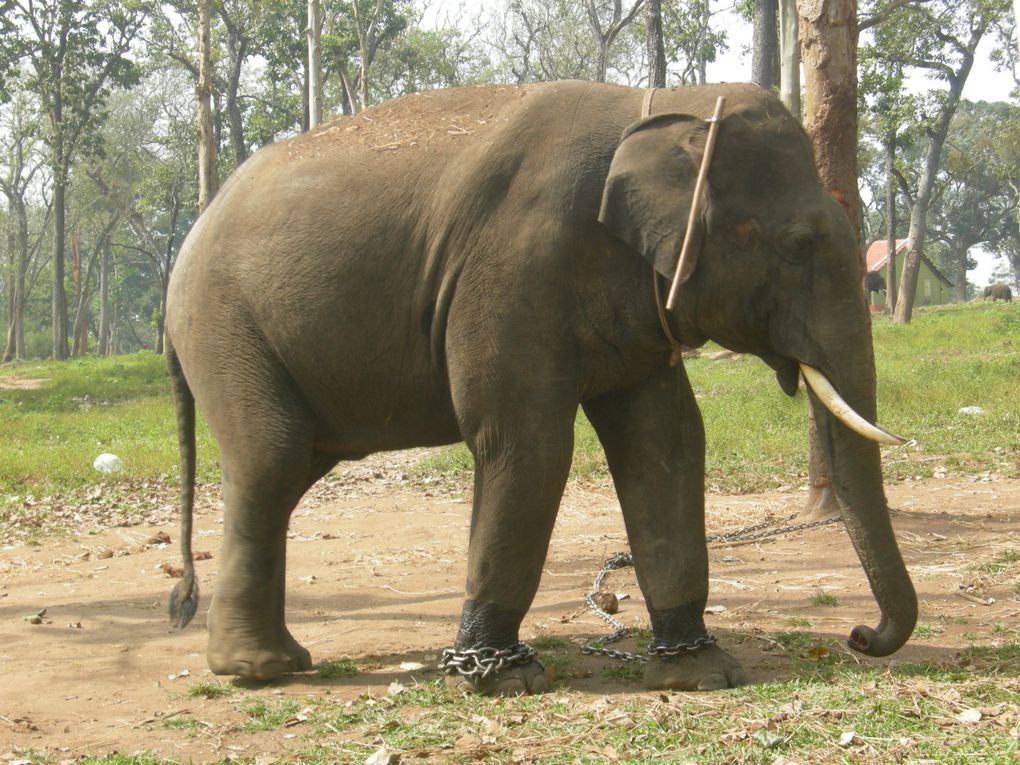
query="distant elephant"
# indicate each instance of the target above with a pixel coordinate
(873, 282)
(475, 264)
(998, 291)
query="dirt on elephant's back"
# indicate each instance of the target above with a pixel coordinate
(417, 121)
(376, 572)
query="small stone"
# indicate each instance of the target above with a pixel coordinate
(607, 601)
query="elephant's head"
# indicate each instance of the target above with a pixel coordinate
(774, 271)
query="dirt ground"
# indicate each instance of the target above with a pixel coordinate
(376, 573)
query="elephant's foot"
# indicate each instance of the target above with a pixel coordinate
(707, 669)
(254, 659)
(512, 681)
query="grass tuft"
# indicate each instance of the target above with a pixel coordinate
(329, 670)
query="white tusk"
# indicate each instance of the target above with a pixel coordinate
(841, 410)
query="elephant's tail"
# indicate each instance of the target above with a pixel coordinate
(184, 598)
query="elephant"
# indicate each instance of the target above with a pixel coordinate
(476, 264)
(998, 291)
(873, 282)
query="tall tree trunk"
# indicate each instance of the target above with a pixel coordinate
(937, 133)
(76, 280)
(17, 247)
(207, 177)
(789, 57)
(105, 330)
(919, 212)
(766, 44)
(314, 64)
(165, 268)
(960, 259)
(237, 52)
(83, 292)
(706, 19)
(828, 38)
(58, 312)
(890, 231)
(828, 43)
(655, 45)
(606, 36)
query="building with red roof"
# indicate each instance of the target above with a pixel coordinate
(933, 288)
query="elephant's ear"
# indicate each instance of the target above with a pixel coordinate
(647, 197)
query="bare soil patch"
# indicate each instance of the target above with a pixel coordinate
(377, 575)
(21, 383)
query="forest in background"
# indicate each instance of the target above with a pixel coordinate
(99, 149)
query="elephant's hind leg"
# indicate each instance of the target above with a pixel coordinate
(268, 462)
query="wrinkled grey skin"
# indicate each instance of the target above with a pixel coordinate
(998, 291)
(476, 264)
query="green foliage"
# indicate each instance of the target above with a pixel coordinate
(82, 408)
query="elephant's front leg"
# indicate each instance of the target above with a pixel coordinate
(522, 458)
(655, 446)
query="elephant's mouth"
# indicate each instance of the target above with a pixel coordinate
(788, 372)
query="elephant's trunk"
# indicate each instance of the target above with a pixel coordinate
(856, 473)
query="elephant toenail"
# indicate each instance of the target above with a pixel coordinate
(713, 682)
(513, 686)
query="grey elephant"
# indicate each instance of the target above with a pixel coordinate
(998, 291)
(474, 265)
(873, 282)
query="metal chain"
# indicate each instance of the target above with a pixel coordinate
(752, 533)
(482, 662)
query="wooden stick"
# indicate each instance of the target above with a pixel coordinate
(685, 257)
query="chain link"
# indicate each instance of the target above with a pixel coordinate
(483, 662)
(752, 533)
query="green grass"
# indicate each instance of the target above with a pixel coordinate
(826, 599)
(900, 713)
(923, 630)
(948, 357)
(211, 690)
(344, 667)
(86, 407)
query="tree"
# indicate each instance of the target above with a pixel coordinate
(939, 38)
(655, 44)
(828, 41)
(789, 57)
(147, 179)
(208, 178)
(974, 203)
(314, 63)
(77, 52)
(765, 52)
(355, 33)
(608, 19)
(19, 153)
(690, 41)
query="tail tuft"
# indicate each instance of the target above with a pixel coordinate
(184, 600)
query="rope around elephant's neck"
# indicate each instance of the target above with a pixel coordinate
(676, 345)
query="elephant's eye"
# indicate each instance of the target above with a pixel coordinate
(796, 243)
